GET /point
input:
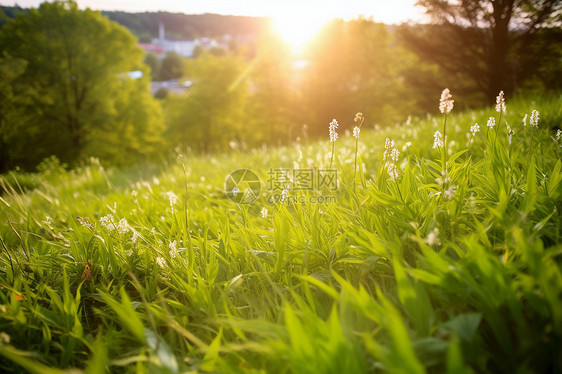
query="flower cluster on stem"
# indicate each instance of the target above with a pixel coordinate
(446, 102)
(333, 137)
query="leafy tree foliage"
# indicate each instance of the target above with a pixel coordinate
(152, 61)
(213, 110)
(74, 97)
(275, 98)
(269, 98)
(486, 45)
(171, 67)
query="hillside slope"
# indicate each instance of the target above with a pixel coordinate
(405, 270)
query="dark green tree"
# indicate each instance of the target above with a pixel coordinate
(151, 60)
(171, 67)
(486, 45)
(214, 110)
(10, 69)
(76, 89)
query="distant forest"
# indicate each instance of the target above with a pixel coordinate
(178, 25)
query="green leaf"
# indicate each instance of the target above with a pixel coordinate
(25, 360)
(531, 190)
(212, 354)
(127, 315)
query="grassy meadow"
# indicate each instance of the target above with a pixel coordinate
(407, 269)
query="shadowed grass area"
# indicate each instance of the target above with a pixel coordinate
(155, 269)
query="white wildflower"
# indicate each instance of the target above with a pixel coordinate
(108, 222)
(450, 192)
(474, 129)
(393, 173)
(135, 237)
(153, 230)
(558, 134)
(161, 262)
(263, 212)
(406, 146)
(388, 144)
(173, 199)
(123, 226)
(356, 131)
(437, 140)
(433, 237)
(333, 130)
(525, 120)
(534, 118)
(491, 122)
(235, 191)
(500, 102)
(446, 102)
(173, 248)
(85, 222)
(395, 155)
(442, 181)
(390, 151)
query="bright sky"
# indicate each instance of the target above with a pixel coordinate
(388, 11)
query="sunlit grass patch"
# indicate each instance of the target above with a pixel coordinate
(442, 258)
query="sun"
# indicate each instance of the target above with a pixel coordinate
(298, 28)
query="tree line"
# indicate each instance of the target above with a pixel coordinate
(67, 88)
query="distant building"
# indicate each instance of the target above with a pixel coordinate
(153, 48)
(184, 47)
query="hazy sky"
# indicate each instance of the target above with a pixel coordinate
(389, 11)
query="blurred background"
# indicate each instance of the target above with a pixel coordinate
(130, 85)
